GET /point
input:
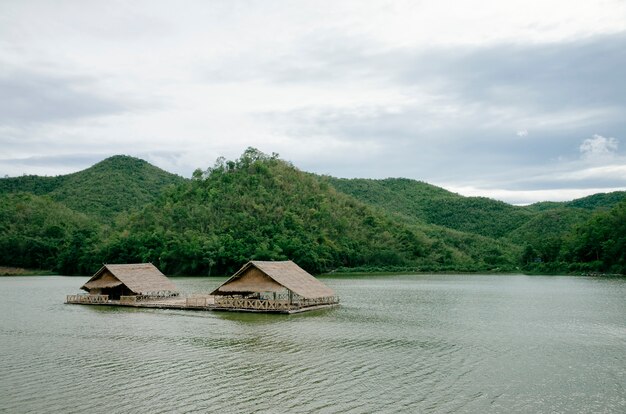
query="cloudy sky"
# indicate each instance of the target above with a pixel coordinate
(516, 100)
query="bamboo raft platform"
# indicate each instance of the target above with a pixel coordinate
(259, 286)
(204, 303)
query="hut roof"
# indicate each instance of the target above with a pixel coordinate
(286, 274)
(140, 278)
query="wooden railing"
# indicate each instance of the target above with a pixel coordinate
(243, 303)
(269, 305)
(199, 301)
(158, 294)
(143, 298)
(128, 299)
(327, 300)
(135, 298)
(83, 298)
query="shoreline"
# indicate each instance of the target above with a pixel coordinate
(20, 271)
(7, 271)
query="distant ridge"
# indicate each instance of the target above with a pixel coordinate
(419, 201)
(592, 202)
(114, 185)
(260, 207)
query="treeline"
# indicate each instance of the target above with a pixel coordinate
(597, 244)
(579, 236)
(261, 207)
(38, 233)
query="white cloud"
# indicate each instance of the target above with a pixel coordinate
(425, 90)
(598, 147)
(524, 197)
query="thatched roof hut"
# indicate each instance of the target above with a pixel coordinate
(284, 283)
(118, 280)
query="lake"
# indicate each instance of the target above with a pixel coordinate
(415, 343)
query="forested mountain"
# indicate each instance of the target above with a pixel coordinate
(423, 202)
(112, 186)
(547, 232)
(600, 242)
(600, 201)
(36, 232)
(261, 207)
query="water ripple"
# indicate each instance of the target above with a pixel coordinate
(428, 344)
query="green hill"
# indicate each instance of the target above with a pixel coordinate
(261, 207)
(36, 232)
(600, 201)
(544, 233)
(598, 244)
(426, 203)
(547, 236)
(115, 185)
(33, 184)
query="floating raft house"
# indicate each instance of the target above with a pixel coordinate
(125, 283)
(259, 286)
(273, 286)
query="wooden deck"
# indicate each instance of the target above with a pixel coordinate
(205, 303)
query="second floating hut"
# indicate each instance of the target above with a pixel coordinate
(273, 286)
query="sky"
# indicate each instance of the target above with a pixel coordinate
(521, 101)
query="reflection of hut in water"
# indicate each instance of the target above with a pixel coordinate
(273, 286)
(117, 280)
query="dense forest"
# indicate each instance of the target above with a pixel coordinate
(260, 207)
(110, 187)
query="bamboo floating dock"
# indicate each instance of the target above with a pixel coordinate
(268, 287)
(202, 303)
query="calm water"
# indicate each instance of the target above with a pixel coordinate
(398, 344)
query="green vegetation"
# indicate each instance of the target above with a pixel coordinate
(110, 187)
(421, 202)
(600, 201)
(542, 236)
(20, 271)
(261, 207)
(36, 232)
(550, 237)
(599, 244)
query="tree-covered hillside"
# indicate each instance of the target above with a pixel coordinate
(426, 203)
(599, 244)
(32, 184)
(261, 207)
(36, 232)
(600, 201)
(545, 233)
(112, 186)
(542, 236)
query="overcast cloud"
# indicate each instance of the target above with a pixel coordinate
(519, 100)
